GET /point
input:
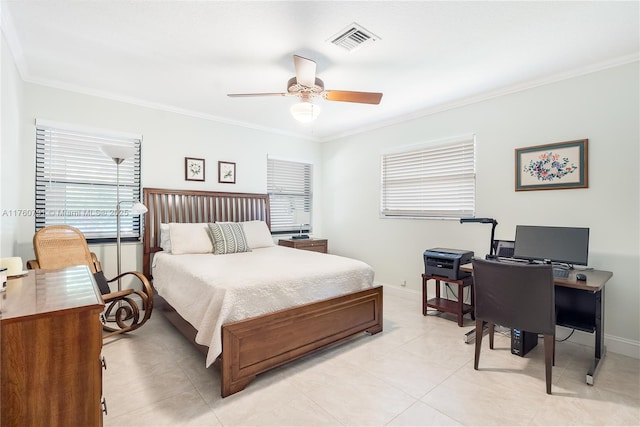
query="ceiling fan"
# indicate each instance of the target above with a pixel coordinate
(307, 86)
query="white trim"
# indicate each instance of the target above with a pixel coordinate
(10, 35)
(508, 90)
(52, 124)
(612, 343)
(402, 118)
(162, 107)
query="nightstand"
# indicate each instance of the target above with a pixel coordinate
(315, 245)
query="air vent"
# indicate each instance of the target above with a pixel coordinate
(353, 37)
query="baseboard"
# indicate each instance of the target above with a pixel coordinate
(399, 291)
(613, 344)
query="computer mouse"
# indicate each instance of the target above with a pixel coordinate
(581, 277)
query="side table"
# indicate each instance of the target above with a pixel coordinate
(446, 305)
(311, 244)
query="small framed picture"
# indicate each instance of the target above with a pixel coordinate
(227, 172)
(554, 166)
(193, 169)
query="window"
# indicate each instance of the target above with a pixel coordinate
(289, 185)
(76, 181)
(433, 180)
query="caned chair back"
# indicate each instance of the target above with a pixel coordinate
(515, 295)
(60, 246)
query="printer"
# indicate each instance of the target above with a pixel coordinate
(446, 262)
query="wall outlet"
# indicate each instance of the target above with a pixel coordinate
(404, 283)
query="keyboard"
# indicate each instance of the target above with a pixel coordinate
(560, 273)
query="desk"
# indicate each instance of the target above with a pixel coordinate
(580, 305)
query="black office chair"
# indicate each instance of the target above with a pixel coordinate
(518, 296)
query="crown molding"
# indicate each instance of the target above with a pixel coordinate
(10, 35)
(592, 68)
(162, 107)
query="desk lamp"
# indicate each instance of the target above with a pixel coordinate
(301, 218)
(493, 231)
(471, 335)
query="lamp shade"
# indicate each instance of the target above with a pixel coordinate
(117, 152)
(138, 208)
(305, 112)
(301, 217)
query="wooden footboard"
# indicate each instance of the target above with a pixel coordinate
(253, 346)
(256, 345)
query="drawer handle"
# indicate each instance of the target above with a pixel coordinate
(104, 363)
(104, 406)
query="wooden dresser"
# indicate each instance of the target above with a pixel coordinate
(50, 343)
(316, 245)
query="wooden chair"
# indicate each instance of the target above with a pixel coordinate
(518, 296)
(60, 246)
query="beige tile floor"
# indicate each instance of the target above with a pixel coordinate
(418, 372)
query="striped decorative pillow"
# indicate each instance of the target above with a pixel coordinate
(228, 238)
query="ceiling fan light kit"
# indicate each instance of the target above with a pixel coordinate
(306, 85)
(305, 111)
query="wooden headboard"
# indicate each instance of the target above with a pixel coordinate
(167, 206)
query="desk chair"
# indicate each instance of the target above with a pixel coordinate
(518, 296)
(60, 246)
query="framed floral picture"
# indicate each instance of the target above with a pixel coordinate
(227, 172)
(193, 169)
(555, 166)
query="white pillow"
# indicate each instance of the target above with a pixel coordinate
(165, 238)
(228, 238)
(257, 234)
(190, 238)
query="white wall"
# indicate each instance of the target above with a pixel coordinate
(603, 107)
(167, 139)
(10, 155)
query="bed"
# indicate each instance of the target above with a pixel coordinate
(252, 337)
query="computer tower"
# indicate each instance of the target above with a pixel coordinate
(522, 341)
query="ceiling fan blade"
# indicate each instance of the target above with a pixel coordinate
(305, 71)
(348, 96)
(246, 95)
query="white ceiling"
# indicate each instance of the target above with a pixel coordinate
(185, 56)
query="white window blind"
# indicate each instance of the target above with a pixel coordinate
(432, 180)
(289, 185)
(76, 182)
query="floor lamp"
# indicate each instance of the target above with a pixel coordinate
(119, 154)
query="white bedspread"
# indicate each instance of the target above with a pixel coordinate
(210, 290)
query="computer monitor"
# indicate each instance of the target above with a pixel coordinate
(569, 245)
